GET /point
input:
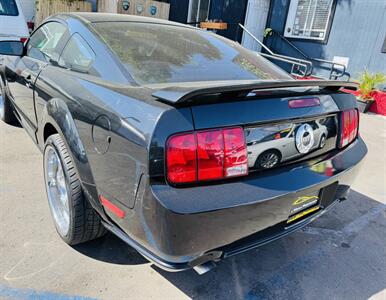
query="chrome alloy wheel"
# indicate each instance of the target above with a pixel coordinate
(56, 187)
(2, 106)
(322, 141)
(269, 160)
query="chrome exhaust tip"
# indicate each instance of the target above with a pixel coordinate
(204, 268)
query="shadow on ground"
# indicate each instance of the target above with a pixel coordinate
(340, 255)
(112, 250)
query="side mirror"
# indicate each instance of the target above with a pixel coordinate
(13, 48)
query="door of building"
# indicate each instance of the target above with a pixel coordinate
(255, 21)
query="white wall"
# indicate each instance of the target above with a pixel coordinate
(255, 22)
(28, 7)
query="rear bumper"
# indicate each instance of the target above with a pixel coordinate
(182, 228)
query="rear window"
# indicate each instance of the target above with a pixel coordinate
(8, 8)
(155, 53)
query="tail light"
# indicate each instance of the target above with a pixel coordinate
(349, 127)
(206, 155)
(31, 25)
(23, 39)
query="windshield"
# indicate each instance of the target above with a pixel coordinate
(8, 8)
(156, 53)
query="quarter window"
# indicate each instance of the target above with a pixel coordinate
(309, 19)
(77, 55)
(43, 44)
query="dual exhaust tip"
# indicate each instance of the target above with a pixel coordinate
(204, 268)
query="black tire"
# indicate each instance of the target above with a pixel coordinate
(84, 223)
(260, 161)
(6, 111)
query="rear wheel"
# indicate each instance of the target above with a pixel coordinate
(268, 159)
(322, 142)
(75, 220)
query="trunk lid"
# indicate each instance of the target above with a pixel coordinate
(276, 132)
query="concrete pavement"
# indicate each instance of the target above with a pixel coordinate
(342, 255)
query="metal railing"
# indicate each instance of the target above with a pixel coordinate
(299, 67)
(337, 70)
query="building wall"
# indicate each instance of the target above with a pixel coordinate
(94, 4)
(179, 10)
(358, 31)
(230, 11)
(28, 7)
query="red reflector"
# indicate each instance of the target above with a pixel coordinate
(236, 160)
(210, 154)
(181, 158)
(206, 155)
(305, 102)
(113, 208)
(349, 127)
(23, 40)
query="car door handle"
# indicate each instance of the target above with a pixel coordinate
(28, 81)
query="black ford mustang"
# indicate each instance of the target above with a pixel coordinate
(185, 145)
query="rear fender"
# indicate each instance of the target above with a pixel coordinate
(57, 114)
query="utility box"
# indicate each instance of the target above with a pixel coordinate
(145, 8)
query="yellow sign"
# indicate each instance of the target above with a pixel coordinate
(302, 214)
(303, 199)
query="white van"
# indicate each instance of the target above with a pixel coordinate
(28, 7)
(13, 25)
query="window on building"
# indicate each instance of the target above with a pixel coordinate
(309, 19)
(198, 10)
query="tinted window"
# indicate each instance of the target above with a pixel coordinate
(44, 42)
(313, 125)
(8, 8)
(77, 55)
(155, 53)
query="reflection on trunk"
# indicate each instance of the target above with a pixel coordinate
(270, 146)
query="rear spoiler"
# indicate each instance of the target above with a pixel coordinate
(177, 95)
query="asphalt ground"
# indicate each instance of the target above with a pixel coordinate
(342, 255)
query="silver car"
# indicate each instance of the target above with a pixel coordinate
(279, 143)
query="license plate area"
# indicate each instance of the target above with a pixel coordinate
(305, 206)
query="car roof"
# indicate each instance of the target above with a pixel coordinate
(90, 17)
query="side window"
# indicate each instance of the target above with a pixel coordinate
(44, 42)
(313, 125)
(77, 55)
